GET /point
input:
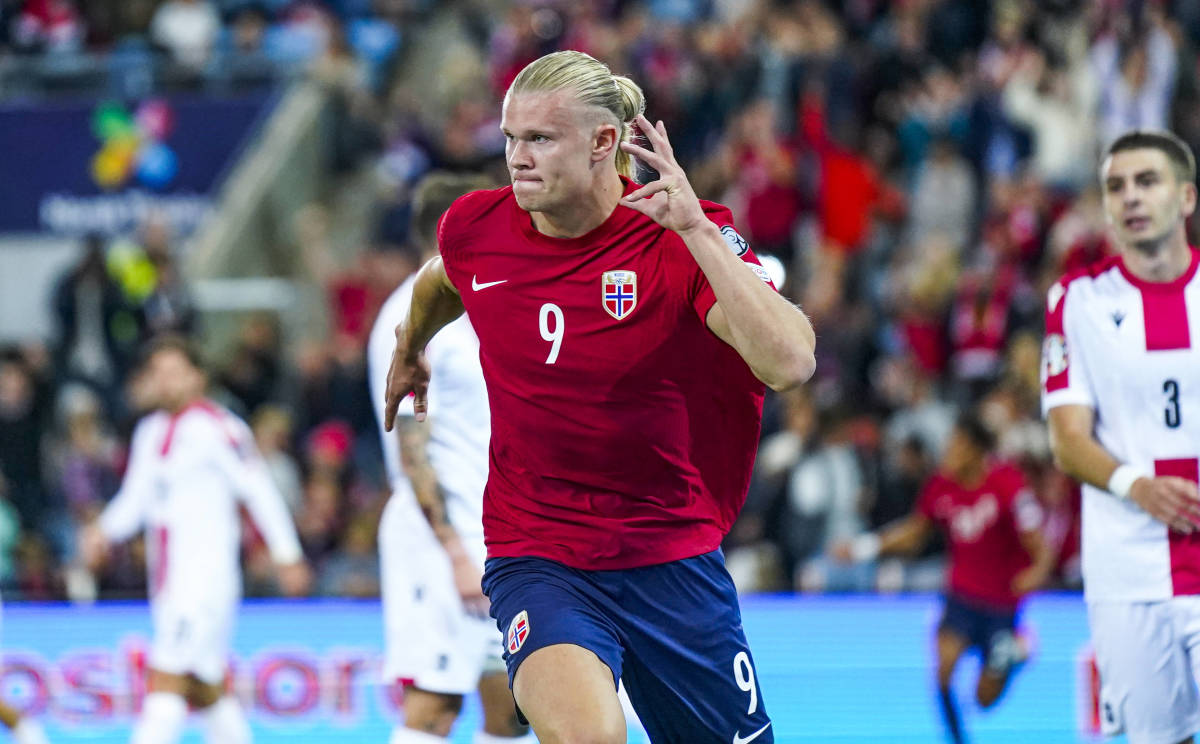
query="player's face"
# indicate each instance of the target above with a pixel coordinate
(174, 380)
(1144, 201)
(548, 152)
(960, 454)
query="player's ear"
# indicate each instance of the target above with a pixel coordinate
(605, 138)
(1188, 203)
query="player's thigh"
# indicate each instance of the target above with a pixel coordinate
(689, 670)
(951, 644)
(568, 695)
(562, 619)
(1146, 685)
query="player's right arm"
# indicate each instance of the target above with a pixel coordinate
(414, 458)
(904, 537)
(1173, 501)
(435, 303)
(125, 514)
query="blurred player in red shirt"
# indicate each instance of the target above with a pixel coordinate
(991, 522)
(625, 333)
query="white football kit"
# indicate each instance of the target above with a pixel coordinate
(1130, 351)
(187, 475)
(430, 639)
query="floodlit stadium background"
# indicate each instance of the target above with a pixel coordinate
(916, 172)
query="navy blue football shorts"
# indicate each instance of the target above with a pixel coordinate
(990, 630)
(672, 632)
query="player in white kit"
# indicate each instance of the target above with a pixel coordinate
(192, 463)
(440, 642)
(1121, 391)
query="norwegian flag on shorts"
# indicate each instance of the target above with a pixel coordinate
(618, 290)
(518, 631)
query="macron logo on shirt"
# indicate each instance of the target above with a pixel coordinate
(478, 285)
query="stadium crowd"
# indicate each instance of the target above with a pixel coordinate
(920, 169)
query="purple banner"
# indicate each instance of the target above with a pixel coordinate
(101, 166)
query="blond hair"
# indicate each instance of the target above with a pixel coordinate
(594, 84)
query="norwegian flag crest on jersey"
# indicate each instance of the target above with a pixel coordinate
(518, 631)
(618, 290)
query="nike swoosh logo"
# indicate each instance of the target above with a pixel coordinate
(739, 739)
(476, 285)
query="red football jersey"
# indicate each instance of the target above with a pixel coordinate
(623, 430)
(982, 527)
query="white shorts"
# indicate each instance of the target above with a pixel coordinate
(189, 639)
(1148, 659)
(429, 640)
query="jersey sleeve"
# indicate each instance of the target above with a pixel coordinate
(1027, 511)
(699, 290)
(925, 499)
(1019, 499)
(451, 246)
(247, 472)
(126, 513)
(1064, 366)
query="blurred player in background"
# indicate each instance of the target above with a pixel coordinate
(625, 334)
(192, 463)
(439, 642)
(992, 523)
(1121, 392)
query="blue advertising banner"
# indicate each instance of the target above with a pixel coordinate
(101, 166)
(855, 669)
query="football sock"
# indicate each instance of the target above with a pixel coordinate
(162, 719)
(225, 723)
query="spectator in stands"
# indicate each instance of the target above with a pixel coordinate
(168, 307)
(52, 26)
(187, 30)
(10, 532)
(97, 329)
(24, 411)
(253, 374)
(353, 569)
(272, 426)
(1136, 67)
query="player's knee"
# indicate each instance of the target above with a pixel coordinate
(202, 695)
(503, 723)
(987, 692)
(430, 712)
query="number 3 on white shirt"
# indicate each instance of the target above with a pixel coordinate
(553, 335)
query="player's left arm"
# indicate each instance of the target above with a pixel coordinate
(774, 337)
(1029, 517)
(247, 471)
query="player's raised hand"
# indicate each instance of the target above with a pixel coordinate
(408, 373)
(669, 201)
(1173, 501)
